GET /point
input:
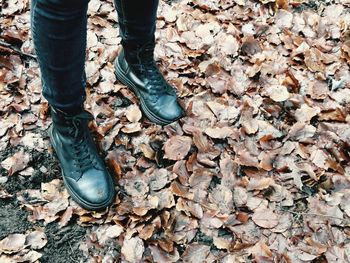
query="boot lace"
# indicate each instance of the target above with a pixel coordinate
(81, 150)
(150, 69)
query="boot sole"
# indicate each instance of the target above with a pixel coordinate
(148, 113)
(75, 197)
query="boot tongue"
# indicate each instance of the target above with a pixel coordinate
(139, 53)
(78, 122)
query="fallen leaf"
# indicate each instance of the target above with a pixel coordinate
(36, 239)
(278, 93)
(177, 147)
(265, 218)
(16, 162)
(133, 113)
(219, 132)
(132, 249)
(12, 243)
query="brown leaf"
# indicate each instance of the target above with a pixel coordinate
(261, 250)
(260, 183)
(161, 256)
(133, 113)
(196, 253)
(265, 218)
(278, 93)
(346, 51)
(177, 147)
(148, 151)
(306, 113)
(219, 132)
(223, 112)
(132, 127)
(36, 240)
(16, 163)
(108, 232)
(66, 217)
(313, 60)
(12, 243)
(147, 232)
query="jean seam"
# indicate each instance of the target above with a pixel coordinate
(33, 22)
(126, 33)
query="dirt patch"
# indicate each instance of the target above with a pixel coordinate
(13, 218)
(63, 244)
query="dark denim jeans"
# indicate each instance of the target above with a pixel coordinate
(59, 34)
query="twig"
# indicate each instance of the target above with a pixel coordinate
(16, 50)
(315, 214)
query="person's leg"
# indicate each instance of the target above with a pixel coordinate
(137, 20)
(59, 35)
(135, 65)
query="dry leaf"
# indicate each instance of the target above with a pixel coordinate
(16, 162)
(133, 113)
(278, 93)
(132, 249)
(36, 239)
(265, 218)
(12, 243)
(219, 133)
(177, 147)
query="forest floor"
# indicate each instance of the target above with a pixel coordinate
(257, 171)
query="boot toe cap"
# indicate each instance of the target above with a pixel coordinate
(94, 190)
(170, 110)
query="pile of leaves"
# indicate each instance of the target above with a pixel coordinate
(258, 169)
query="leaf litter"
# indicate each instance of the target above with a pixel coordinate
(258, 169)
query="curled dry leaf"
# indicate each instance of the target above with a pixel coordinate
(148, 151)
(260, 250)
(12, 243)
(132, 127)
(133, 113)
(313, 60)
(177, 147)
(223, 112)
(132, 249)
(222, 243)
(36, 240)
(260, 183)
(219, 132)
(306, 113)
(301, 131)
(16, 162)
(278, 93)
(160, 256)
(107, 232)
(66, 217)
(265, 218)
(196, 253)
(24, 256)
(346, 51)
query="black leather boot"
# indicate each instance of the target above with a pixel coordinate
(84, 173)
(135, 67)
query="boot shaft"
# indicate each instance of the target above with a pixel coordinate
(139, 54)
